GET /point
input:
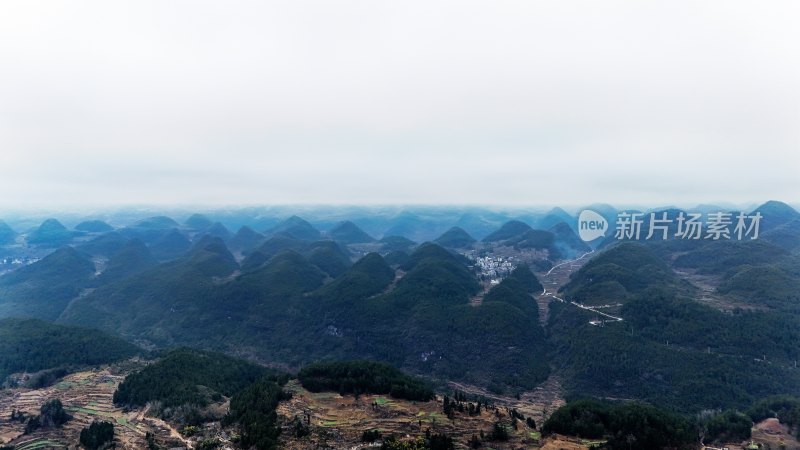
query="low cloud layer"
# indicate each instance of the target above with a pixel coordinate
(398, 102)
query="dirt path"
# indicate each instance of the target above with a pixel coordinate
(154, 421)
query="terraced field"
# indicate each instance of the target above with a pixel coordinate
(337, 421)
(87, 396)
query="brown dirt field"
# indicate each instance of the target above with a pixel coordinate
(774, 433)
(538, 403)
(559, 442)
(87, 396)
(771, 427)
(338, 421)
(768, 434)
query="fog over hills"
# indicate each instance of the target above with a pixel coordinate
(449, 225)
(636, 318)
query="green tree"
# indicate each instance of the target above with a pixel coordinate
(98, 435)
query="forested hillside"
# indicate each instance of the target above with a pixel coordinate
(29, 345)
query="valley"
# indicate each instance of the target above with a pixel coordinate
(522, 320)
(370, 225)
(558, 276)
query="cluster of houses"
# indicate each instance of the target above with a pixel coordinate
(8, 263)
(493, 268)
(22, 261)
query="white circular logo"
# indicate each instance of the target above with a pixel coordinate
(591, 225)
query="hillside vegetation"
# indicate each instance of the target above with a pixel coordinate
(363, 377)
(29, 345)
(187, 376)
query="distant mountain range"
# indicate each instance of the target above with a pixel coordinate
(194, 299)
(690, 324)
(419, 224)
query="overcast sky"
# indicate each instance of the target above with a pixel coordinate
(495, 102)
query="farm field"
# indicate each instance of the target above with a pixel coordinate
(87, 396)
(337, 421)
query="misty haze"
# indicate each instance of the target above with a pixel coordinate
(419, 225)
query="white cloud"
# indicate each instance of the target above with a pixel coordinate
(412, 102)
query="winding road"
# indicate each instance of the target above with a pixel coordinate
(593, 309)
